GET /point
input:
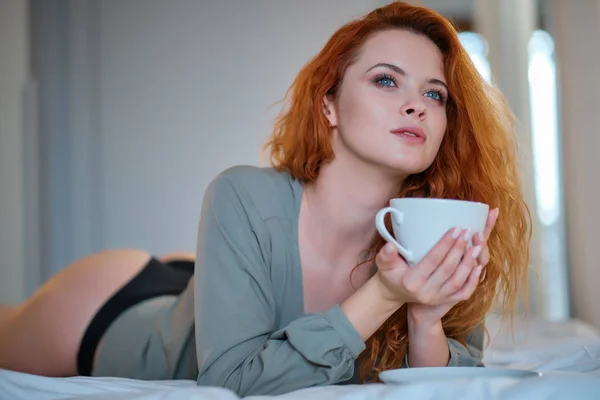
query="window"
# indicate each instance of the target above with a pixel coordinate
(542, 86)
(477, 47)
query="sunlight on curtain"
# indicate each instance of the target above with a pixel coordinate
(542, 80)
(477, 47)
(542, 86)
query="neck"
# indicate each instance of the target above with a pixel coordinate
(340, 207)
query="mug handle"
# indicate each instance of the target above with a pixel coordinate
(382, 229)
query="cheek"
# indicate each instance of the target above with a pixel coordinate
(439, 127)
(360, 115)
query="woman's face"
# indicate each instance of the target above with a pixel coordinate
(390, 109)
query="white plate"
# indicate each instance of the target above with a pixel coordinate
(408, 375)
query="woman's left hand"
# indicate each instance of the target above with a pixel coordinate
(421, 314)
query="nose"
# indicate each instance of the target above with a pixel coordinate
(415, 108)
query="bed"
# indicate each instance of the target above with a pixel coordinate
(566, 352)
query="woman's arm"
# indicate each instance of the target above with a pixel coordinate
(429, 346)
(237, 345)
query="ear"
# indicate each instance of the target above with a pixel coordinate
(329, 110)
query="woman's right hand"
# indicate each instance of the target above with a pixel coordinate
(437, 279)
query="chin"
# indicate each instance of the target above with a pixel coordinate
(405, 167)
(395, 165)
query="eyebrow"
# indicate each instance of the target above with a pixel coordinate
(400, 71)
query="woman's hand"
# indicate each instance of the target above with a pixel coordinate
(447, 274)
(420, 313)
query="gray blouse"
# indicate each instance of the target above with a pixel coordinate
(251, 334)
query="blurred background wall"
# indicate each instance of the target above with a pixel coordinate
(116, 114)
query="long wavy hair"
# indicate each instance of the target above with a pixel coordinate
(477, 161)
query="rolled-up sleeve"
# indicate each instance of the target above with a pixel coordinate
(470, 355)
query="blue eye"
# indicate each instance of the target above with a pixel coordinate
(385, 81)
(435, 95)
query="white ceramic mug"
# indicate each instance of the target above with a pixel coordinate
(419, 223)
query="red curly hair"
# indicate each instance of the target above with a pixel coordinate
(477, 161)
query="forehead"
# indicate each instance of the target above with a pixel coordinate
(416, 54)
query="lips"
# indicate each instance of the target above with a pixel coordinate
(411, 133)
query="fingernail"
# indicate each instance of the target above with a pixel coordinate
(456, 232)
(478, 271)
(497, 210)
(467, 235)
(480, 236)
(476, 252)
(388, 248)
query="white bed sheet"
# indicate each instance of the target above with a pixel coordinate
(568, 354)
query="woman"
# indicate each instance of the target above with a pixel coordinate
(292, 286)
